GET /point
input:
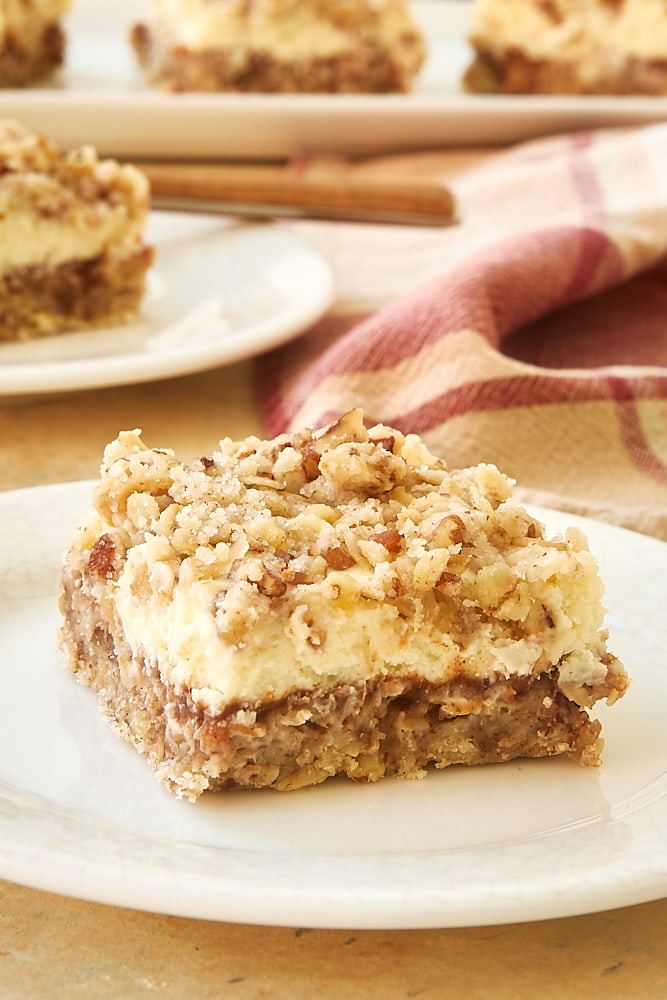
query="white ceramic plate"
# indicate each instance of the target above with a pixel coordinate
(103, 100)
(81, 814)
(218, 292)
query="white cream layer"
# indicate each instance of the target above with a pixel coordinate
(26, 240)
(343, 630)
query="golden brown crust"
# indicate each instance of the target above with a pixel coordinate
(514, 72)
(42, 301)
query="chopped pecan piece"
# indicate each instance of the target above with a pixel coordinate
(391, 539)
(338, 558)
(272, 583)
(311, 462)
(384, 442)
(101, 557)
(449, 531)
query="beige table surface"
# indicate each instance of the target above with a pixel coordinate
(56, 947)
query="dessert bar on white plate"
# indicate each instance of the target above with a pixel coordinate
(330, 602)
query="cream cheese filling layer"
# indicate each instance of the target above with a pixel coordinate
(576, 29)
(285, 28)
(28, 240)
(344, 630)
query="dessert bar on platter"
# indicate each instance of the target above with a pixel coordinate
(313, 46)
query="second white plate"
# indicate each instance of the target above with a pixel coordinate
(218, 292)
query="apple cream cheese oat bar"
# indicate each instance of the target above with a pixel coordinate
(330, 602)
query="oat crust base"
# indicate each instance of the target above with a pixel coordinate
(40, 301)
(370, 69)
(516, 73)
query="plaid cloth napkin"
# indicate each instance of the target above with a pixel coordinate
(533, 335)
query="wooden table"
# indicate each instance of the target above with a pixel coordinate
(56, 947)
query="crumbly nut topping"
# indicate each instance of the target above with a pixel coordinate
(33, 172)
(309, 503)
